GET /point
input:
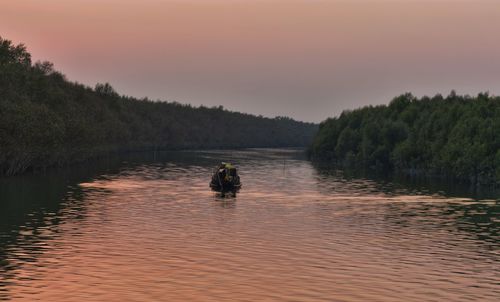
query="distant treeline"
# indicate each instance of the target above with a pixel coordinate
(46, 120)
(455, 136)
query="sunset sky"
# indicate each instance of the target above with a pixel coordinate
(301, 58)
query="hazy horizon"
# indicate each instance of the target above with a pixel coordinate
(305, 59)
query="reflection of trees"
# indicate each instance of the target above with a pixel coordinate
(333, 180)
(30, 213)
(392, 184)
(479, 218)
(475, 217)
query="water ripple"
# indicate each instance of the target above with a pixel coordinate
(154, 232)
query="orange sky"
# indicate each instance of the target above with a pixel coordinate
(303, 58)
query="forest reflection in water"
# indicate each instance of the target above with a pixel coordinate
(146, 227)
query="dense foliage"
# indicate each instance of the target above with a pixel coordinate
(46, 120)
(456, 137)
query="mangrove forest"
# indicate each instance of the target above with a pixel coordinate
(454, 137)
(46, 120)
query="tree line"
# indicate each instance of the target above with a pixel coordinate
(46, 120)
(455, 137)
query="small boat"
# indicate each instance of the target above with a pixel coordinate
(225, 178)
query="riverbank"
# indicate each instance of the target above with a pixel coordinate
(452, 137)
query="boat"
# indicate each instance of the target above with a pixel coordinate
(225, 178)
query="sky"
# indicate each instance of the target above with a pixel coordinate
(307, 59)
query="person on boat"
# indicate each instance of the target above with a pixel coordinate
(225, 177)
(222, 171)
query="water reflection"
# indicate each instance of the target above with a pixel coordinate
(148, 228)
(31, 209)
(400, 185)
(225, 201)
(24, 233)
(226, 195)
(461, 207)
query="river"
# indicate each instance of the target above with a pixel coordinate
(147, 228)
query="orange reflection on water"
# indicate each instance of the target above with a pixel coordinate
(144, 235)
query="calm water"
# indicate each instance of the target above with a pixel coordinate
(148, 229)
